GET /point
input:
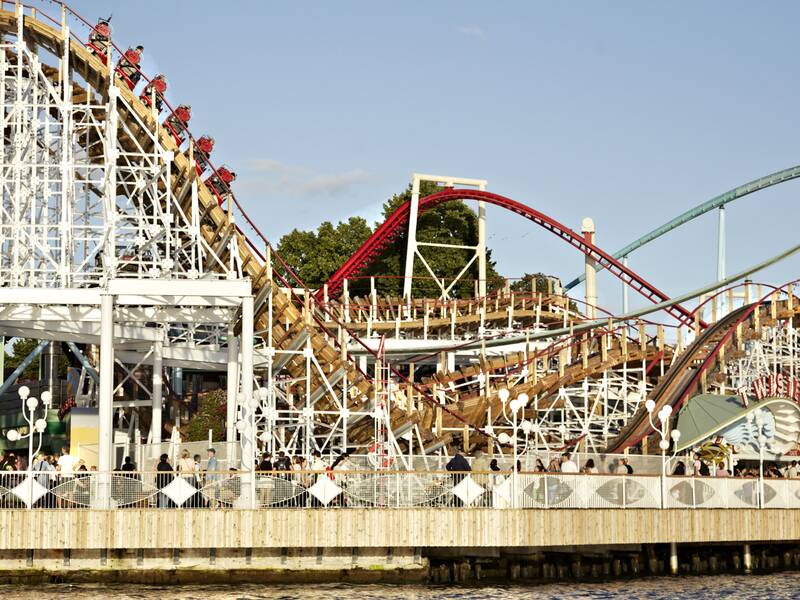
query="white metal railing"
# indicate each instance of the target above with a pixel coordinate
(387, 489)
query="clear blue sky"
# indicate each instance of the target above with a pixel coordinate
(628, 112)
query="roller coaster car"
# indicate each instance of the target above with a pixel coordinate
(157, 85)
(100, 39)
(128, 66)
(177, 123)
(203, 148)
(220, 183)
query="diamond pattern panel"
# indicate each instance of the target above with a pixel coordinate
(467, 490)
(324, 490)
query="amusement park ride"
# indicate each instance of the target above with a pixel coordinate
(112, 238)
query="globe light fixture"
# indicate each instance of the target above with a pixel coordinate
(35, 426)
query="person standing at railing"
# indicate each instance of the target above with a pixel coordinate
(212, 477)
(589, 468)
(66, 463)
(457, 466)
(791, 471)
(480, 468)
(164, 477)
(339, 468)
(567, 464)
(46, 476)
(722, 471)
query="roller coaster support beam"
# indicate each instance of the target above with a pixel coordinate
(232, 386)
(412, 245)
(157, 396)
(106, 396)
(587, 229)
(701, 209)
(625, 289)
(22, 366)
(721, 245)
(84, 362)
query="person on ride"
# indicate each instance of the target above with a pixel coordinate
(220, 183)
(202, 153)
(128, 66)
(157, 85)
(178, 122)
(100, 39)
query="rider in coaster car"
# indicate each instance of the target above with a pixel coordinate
(203, 148)
(128, 65)
(158, 85)
(100, 39)
(178, 122)
(220, 183)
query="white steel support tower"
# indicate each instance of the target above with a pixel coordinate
(413, 245)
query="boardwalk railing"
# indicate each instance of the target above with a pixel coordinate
(395, 489)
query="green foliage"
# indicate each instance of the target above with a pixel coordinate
(210, 415)
(314, 256)
(542, 283)
(20, 349)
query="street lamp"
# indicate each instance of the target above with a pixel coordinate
(758, 416)
(516, 405)
(663, 430)
(29, 407)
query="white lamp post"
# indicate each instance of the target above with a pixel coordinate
(515, 405)
(762, 440)
(29, 407)
(665, 434)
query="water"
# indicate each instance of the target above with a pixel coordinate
(774, 587)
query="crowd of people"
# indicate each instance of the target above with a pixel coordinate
(284, 480)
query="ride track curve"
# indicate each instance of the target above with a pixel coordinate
(393, 226)
(685, 373)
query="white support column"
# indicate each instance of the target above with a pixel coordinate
(248, 448)
(232, 387)
(481, 250)
(721, 245)
(411, 246)
(155, 420)
(721, 258)
(624, 289)
(590, 285)
(106, 397)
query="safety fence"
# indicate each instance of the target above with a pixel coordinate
(393, 489)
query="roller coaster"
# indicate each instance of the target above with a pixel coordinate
(114, 243)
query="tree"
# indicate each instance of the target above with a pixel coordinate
(544, 283)
(21, 348)
(448, 223)
(315, 256)
(210, 415)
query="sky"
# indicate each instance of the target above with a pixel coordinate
(626, 112)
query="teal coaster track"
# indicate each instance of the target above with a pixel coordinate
(718, 201)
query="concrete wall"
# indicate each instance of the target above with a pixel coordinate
(376, 528)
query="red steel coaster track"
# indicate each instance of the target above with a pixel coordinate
(390, 229)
